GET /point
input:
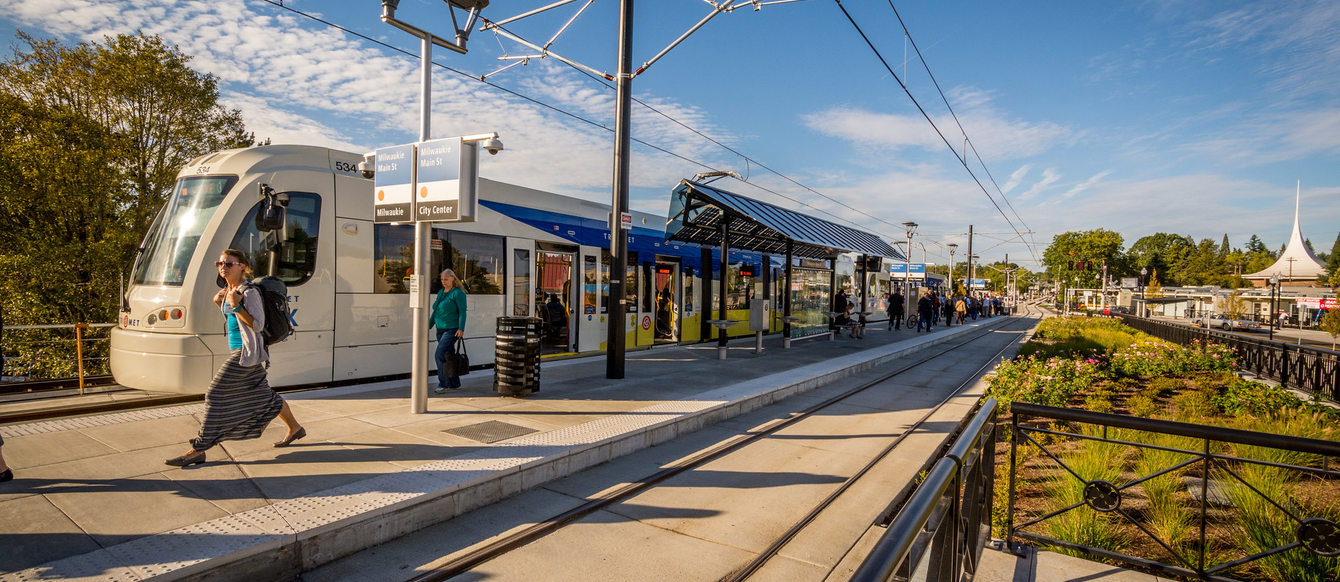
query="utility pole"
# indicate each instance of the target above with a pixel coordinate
(971, 271)
(614, 356)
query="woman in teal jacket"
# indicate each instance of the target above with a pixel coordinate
(449, 319)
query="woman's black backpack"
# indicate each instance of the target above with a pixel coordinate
(274, 295)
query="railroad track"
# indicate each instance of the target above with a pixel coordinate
(513, 542)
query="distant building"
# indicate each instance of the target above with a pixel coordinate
(1297, 265)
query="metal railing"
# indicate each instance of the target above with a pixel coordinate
(43, 352)
(1312, 370)
(1237, 484)
(947, 521)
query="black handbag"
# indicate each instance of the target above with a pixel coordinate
(457, 364)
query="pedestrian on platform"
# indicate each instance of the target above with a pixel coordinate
(7, 473)
(896, 308)
(948, 305)
(449, 319)
(925, 311)
(961, 308)
(240, 403)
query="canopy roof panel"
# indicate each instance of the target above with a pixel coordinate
(697, 212)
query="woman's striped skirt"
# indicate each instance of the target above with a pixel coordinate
(238, 406)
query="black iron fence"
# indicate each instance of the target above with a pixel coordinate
(1209, 503)
(947, 521)
(1312, 370)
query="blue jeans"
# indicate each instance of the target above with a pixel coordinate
(444, 348)
(925, 319)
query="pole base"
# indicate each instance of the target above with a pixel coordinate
(721, 352)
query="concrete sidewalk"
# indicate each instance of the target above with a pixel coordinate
(93, 500)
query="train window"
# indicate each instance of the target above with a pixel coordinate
(520, 282)
(605, 261)
(170, 245)
(392, 257)
(293, 260)
(630, 282)
(590, 284)
(477, 260)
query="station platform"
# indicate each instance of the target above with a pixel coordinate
(92, 499)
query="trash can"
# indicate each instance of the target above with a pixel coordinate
(516, 357)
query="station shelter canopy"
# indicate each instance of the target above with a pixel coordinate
(697, 212)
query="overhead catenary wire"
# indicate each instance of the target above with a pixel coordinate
(887, 67)
(556, 109)
(907, 35)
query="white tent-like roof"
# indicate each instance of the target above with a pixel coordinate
(1297, 263)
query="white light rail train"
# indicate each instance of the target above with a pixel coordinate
(528, 253)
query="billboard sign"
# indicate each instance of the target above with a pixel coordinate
(393, 188)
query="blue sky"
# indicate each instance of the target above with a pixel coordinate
(1192, 117)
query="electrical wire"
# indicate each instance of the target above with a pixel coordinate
(908, 35)
(887, 67)
(280, 4)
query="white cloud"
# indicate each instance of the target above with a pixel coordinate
(994, 136)
(1087, 184)
(1016, 178)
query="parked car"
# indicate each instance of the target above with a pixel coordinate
(1221, 321)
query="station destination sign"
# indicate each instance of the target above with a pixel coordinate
(393, 186)
(900, 270)
(438, 188)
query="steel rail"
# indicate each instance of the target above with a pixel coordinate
(777, 545)
(525, 536)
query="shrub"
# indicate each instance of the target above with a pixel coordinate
(1243, 398)
(1162, 386)
(1141, 405)
(1051, 382)
(1194, 406)
(1099, 403)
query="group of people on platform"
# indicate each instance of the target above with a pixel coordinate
(933, 305)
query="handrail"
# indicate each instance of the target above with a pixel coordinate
(1307, 368)
(1199, 431)
(955, 543)
(1309, 533)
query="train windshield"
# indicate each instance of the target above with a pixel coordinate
(171, 243)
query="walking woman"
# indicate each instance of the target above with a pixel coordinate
(449, 319)
(240, 403)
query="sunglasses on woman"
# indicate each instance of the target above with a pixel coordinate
(225, 264)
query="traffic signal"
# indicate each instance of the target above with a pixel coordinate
(1072, 265)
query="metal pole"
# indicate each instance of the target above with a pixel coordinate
(725, 274)
(614, 358)
(971, 271)
(79, 351)
(786, 297)
(422, 263)
(907, 280)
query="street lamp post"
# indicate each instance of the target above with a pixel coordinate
(1274, 290)
(952, 247)
(1144, 310)
(911, 228)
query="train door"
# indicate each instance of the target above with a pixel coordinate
(520, 300)
(667, 286)
(594, 304)
(554, 270)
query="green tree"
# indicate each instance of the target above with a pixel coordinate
(91, 136)
(1091, 247)
(1330, 323)
(1333, 260)
(1162, 251)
